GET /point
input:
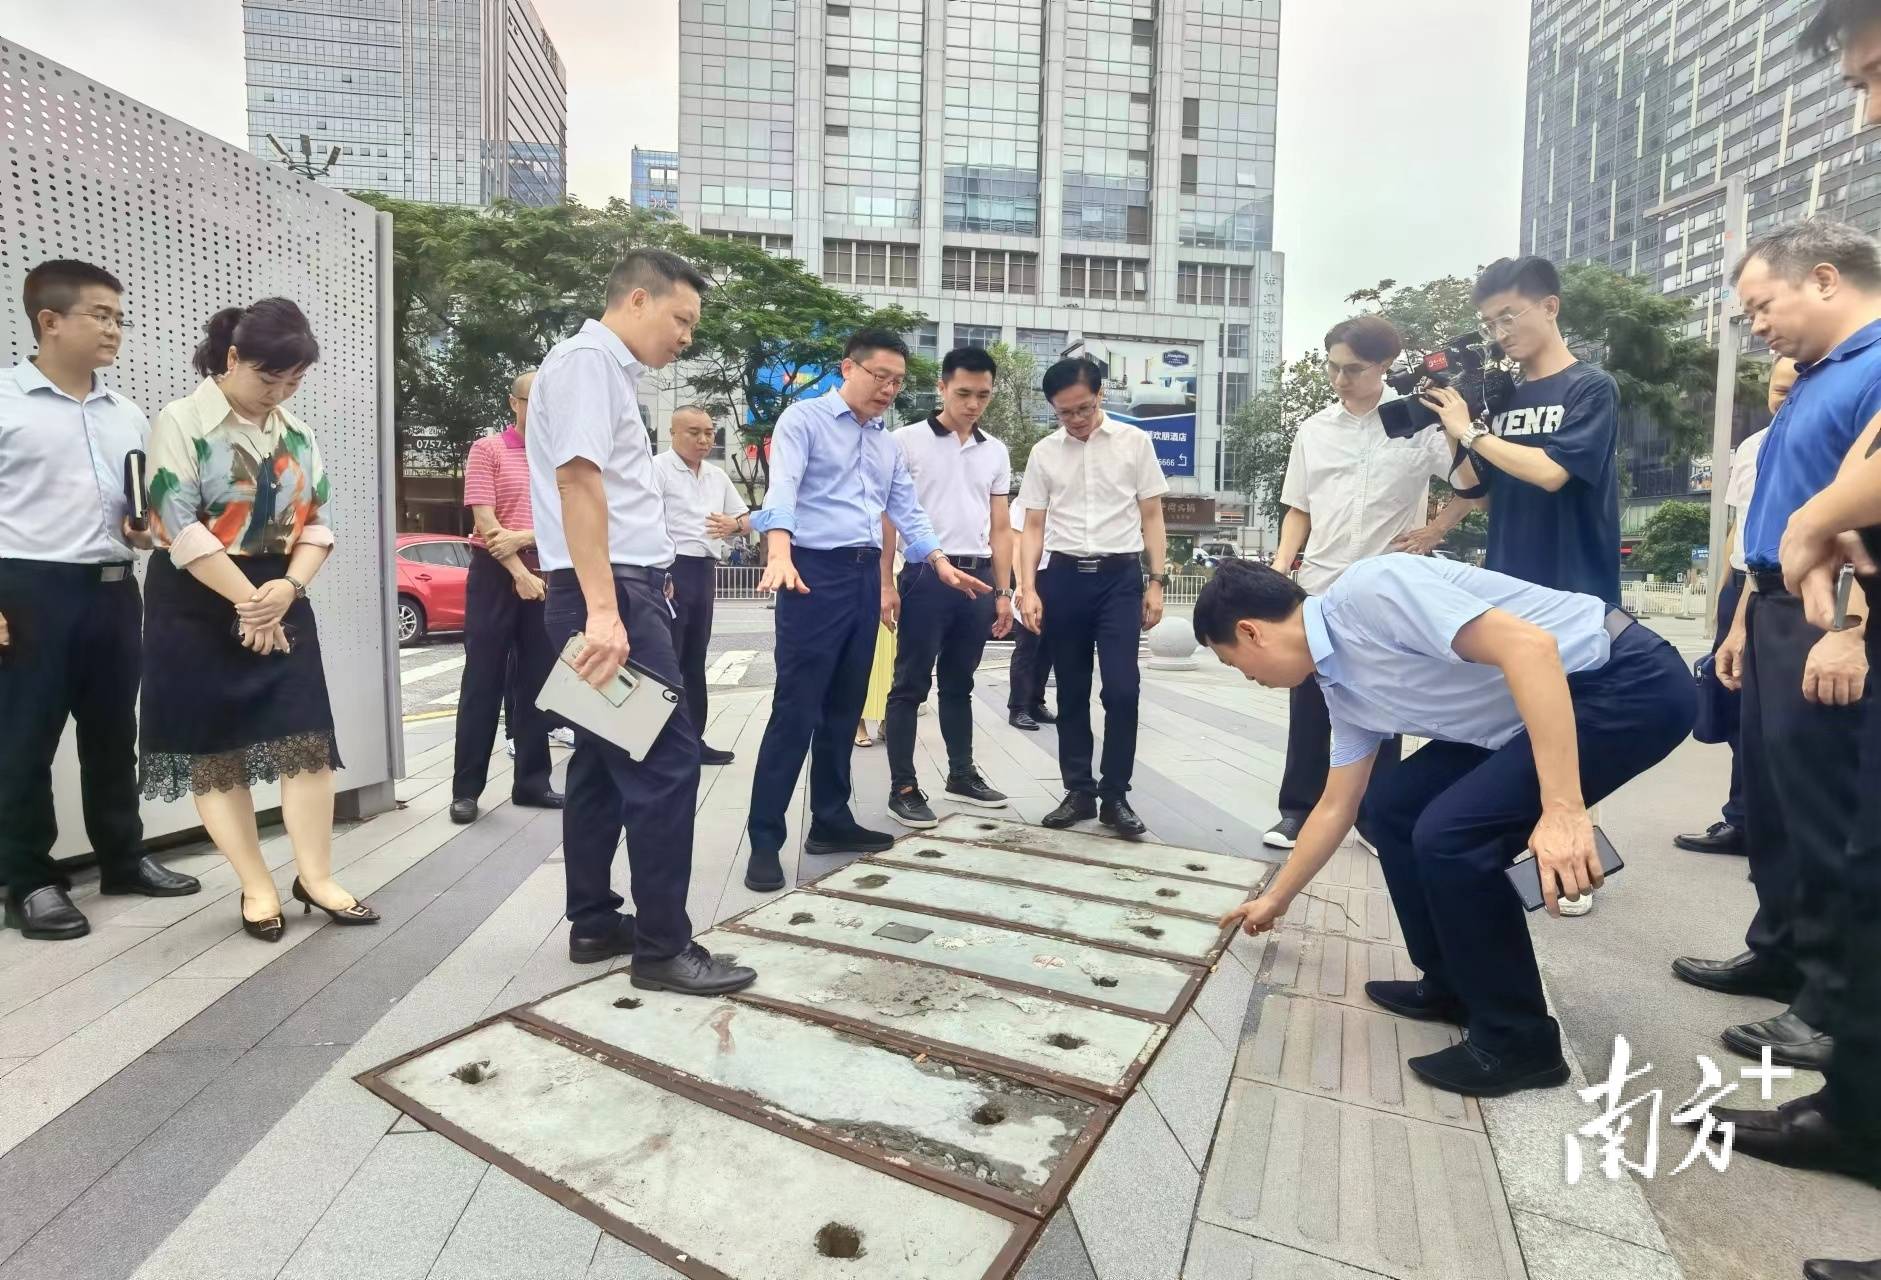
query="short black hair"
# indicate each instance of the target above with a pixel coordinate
(1073, 371)
(1243, 589)
(1372, 337)
(1532, 277)
(272, 334)
(54, 286)
(654, 270)
(864, 343)
(1836, 23)
(968, 360)
(1794, 251)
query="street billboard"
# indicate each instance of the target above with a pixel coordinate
(1152, 385)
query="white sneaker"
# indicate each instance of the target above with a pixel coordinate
(509, 748)
(562, 738)
(1577, 906)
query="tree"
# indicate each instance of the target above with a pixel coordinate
(1018, 414)
(1672, 532)
(1260, 435)
(1636, 334)
(1427, 315)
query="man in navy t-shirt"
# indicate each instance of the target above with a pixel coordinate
(1547, 461)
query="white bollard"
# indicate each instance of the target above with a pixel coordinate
(1172, 645)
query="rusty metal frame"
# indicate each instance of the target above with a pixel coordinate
(1085, 894)
(1027, 1226)
(1060, 856)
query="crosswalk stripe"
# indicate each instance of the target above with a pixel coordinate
(415, 674)
(731, 666)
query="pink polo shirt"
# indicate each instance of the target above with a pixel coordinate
(496, 475)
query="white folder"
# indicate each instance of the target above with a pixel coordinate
(630, 711)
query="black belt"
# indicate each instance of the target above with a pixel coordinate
(1096, 564)
(655, 578)
(1769, 582)
(1618, 620)
(117, 571)
(856, 554)
(970, 562)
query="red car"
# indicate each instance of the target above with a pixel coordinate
(432, 571)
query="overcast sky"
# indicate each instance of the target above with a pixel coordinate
(1400, 120)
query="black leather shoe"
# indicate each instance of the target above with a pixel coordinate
(544, 799)
(1746, 974)
(1121, 818)
(1719, 837)
(712, 755)
(1078, 806)
(1829, 1269)
(1041, 715)
(594, 948)
(908, 806)
(1791, 1041)
(48, 915)
(693, 972)
(857, 839)
(972, 788)
(1465, 1069)
(764, 873)
(1801, 1136)
(151, 879)
(463, 812)
(1020, 720)
(1417, 1000)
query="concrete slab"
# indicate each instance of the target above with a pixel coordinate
(917, 1005)
(394, 1216)
(1387, 1193)
(1059, 1253)
(950, 1122)
(1136, 1198)
(1128, 885)
(1188, 1083)
(1354, 1055)
(510, 1231)
(1084, 972)
(1215, 1253)
(664, 1166)
(1557, 1251)
(1332, 968)
(1139, 928)
(1242, 873)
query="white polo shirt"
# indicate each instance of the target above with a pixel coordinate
(1361, 487)
(692, 496)
(955, 482)
(1740, 490)
(585, 404)
(1089, 489)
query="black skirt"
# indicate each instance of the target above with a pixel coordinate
(216, 715)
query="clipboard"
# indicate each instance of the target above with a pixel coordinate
(630, 711)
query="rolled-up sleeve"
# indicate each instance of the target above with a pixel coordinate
(314, 530)
(790, 454)
(904, 508)
(176, 490)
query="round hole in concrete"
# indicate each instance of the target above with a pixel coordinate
(1105, 982)
(834, 1240)
(1193, 866)
(989, 1113)
(1059, 1040)
(626, 1002)
(929, 853)
(802, 917)
(474, 1072)
(1167, 893)
(871, 882)
(989, 826)
(1147, 930)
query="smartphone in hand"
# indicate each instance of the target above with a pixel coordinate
(1526, 874)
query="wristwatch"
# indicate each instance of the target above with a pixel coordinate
(1476, 432)
(300, 588)
(1160, 579)
(1004, 593)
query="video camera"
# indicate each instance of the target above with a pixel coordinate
(1470, 364)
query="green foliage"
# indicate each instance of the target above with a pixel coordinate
(1018, 413)
(1259, 438)
(1427, 315)
(1671, 532)
(1636, 334)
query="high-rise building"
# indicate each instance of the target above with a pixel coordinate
(656, 179)
(1028, 171)
(1633, 104)
(443, 101)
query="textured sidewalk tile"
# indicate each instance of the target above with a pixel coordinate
(510, 1231)
(1557, 1251)
(1189, 1082)
(1388, 1193)
(1333, 968)
(1351, 868)
(1135, 1200)
(1216, 1253)
(1222, 1001)
(1059, 1253)
(394, 1216)
(1348, 913)
(1354, 1055)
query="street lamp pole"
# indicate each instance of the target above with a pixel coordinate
(306, 166)
(1724, 399)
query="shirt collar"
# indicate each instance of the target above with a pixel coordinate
(841, 409)
(210, 405)
(512, 437)
(940, 428)
(1859, 341)
(1318, 637)
(31, 378)
(611, 341)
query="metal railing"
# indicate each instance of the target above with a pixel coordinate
(1664, 600)
(738, 582)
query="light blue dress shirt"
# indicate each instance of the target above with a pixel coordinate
(1382, 640)
(832, 477)
(62, 469)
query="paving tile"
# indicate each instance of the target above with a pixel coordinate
(394, 1216)
(1222, 1001)
(1352, 867)
(8, 1064)
(1354, 1055)
(35, 968)
(1058, 1254)
(1387, 1193)
(1333, 968)
(1188, 1083)
(1136, 1198)
(616, 1260)
(1557, 1251)
(1215, 1253)
(1348, 913)
(510, 1231)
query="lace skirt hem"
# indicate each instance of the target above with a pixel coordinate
(169, 776)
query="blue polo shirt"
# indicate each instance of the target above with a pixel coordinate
(1832, 401)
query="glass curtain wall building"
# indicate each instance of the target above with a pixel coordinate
(655, 179)
(1633, 103)
(1027, 171)
(442, 101)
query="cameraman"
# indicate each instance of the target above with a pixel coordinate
(1351, 493)
(1547, 460)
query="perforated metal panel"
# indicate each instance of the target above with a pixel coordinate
(191, 224)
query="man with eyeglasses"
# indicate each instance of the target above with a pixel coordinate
(835, 473)
(1093, 498)
(71, 618)
(1351, 492)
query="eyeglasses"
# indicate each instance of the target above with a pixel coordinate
(108, 319)
(1078, 413)
(1503, 326)
(1352, 371)
(887, 381)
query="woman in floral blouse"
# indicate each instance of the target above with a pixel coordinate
(233, 690)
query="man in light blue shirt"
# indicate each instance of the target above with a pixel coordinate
(71, 620)
(834, 474)
(1537, 703)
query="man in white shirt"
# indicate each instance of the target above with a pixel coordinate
(1726, 835)
(602, 542)
(962, 478)
(1093, 497)
(702, 509)
(1351, 492)
(1031, 660)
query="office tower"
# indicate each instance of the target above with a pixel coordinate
(656, 179)
(443, 101)
(1032, 171)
